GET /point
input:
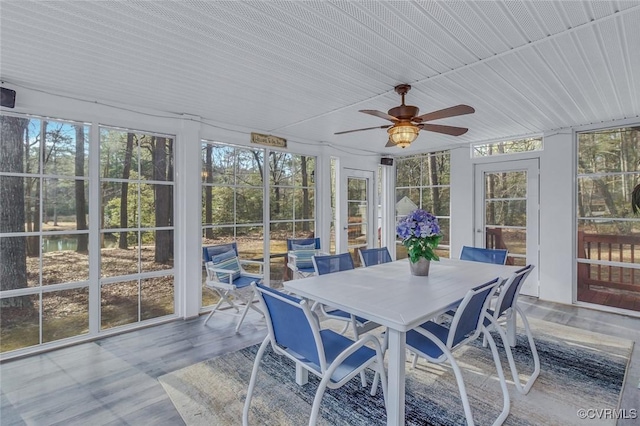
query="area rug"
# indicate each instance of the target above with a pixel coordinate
(580, 370)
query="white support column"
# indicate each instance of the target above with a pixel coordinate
(188, 233)
(388, 234)
(557, 218)
(462, 208)
(322, 179)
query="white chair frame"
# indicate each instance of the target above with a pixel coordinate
(506, 322)
(227, 290)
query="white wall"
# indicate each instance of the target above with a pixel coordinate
(557, 218)
(462, 207)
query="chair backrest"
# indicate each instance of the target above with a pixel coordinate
(477, 254)
(209, 252)
(511, 289)
(289, 322)
(332, 263)
(469, 317)
(374, 256)
(303, 242)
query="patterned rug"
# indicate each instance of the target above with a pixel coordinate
(579, 370)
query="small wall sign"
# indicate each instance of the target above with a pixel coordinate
(268, 140)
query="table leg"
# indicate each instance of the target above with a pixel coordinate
(302, 375)
(396, 377)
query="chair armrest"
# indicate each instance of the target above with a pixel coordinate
(368, 338)
(292, 256)
(251, 262)
(212, 277)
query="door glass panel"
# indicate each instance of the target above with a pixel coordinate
(506, 213)
(358, 212)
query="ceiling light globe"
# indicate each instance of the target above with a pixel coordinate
(402, 134)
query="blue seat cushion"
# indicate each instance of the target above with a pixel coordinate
(304, 253)
(423, 344)
(242, 282)
(227, 260)
(334, 344)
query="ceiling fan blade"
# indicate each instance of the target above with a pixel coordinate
(390, 144)
(444, 113)
(447, 130)
(366, 128)
(380, 114)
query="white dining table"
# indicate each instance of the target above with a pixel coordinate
(389, 295)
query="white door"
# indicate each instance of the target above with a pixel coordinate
(357, 212)
(507, 212)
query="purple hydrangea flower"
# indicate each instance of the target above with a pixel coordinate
(420, 233)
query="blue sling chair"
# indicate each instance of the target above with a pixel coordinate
(374, 256)
(486, 255)
(328, 264)
(294, 332)
(331, 263)
(437, 343)
(505, 311)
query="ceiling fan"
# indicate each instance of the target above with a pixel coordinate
(407, 123)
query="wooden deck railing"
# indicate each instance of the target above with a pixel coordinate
(494, 240)
(612, 248)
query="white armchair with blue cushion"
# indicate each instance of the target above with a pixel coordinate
(228, 279)
(300, 251)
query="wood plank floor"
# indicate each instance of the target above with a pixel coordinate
(113, 381)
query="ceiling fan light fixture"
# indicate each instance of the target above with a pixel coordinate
(403, 133)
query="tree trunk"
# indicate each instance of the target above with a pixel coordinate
(162, 201)
(435, 190)
(126, 172)
(13, 258)
(33, 199)
(81, 207)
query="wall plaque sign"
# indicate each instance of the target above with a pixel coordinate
(268, 140)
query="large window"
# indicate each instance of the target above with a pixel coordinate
(44, 257)
(608, 237)
(422, 181)
(506, 147)
(232, 200)
(233, 186)
(292, 204)
(60, 244)
(136, 228)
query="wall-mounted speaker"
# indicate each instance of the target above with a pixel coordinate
(7, 97)
(386, 161)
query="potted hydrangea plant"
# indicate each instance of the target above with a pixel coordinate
(420, 234)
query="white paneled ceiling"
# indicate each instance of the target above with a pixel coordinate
(302, 70)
